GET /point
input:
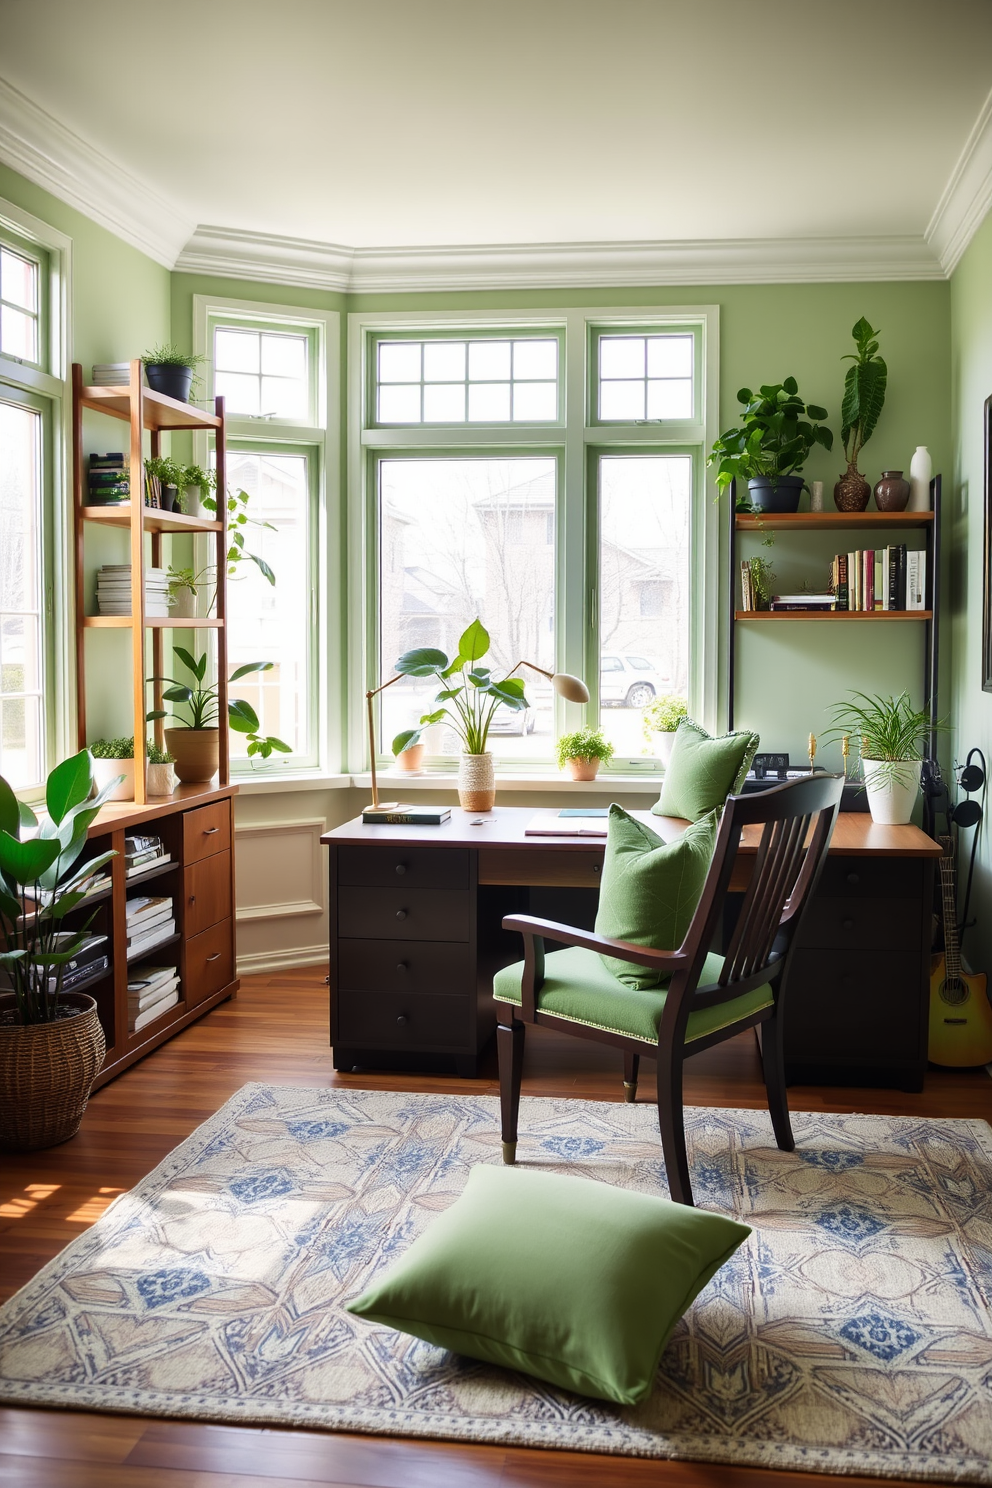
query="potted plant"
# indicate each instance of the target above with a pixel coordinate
(195, 483)
(892, 738)
(171, 371)
(582, 752)
(169, 474)
(470, 696)
(184, 590)
(409, 757)
(864, 395)
(660, 721)
(237, 518)
(113, 768)
(51, 1042)
(771, 446)
(160, 770)
(194, 741)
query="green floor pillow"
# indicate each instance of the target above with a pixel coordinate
(650, 888)
(576, 1282)
(703, 771)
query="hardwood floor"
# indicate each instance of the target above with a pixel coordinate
(276, 1031)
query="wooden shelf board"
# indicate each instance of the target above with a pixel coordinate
(142, 878)
(833, 615)
(160, 412)
(828, 521)
(153, 518)
(123, 622)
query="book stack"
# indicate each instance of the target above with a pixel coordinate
(89, 960)
(143, 852)
(150, 920)
(108, 480)
(893, 578)
(150, 993)
(113, 591)
(809, 604)
(111, 374)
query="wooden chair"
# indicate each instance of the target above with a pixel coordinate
(797, 820)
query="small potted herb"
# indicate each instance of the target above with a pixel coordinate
(776, 436)
(113, 765)
(171, 371)
(409, 757)
(160, 771)
(660, 720)
(184, 591)
(582, 752)
(169, 474)
(195, 483)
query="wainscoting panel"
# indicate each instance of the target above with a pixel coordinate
(281, 880)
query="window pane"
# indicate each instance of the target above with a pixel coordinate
(236, 351)
(489, 361)
(273, 622)
(489, 402)
(645, 503)
(284, 398)
(444, 361)
(18, 280)
(444, 404)
(670, 399)
(399, 405)
(18, 334)
(285, 356)
(670, 356)
(535, 360)
(621, 400)
(399, 361)
(240, 390)
(447, 531)
(21, 670)
(535, 401)
(621, 356)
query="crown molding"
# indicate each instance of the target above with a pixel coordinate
(966, 197)
(234, 254)
(36, 145)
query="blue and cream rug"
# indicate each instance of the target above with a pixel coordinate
(851, 1334)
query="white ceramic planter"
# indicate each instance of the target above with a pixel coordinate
(184, 604)
(106, 770)
(892, 790)
(663, 746)
(192, 495)
(477, 782)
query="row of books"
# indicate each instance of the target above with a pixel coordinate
(111, 374)
(893, 578)
(143, 851)
(113, 591)
(108, 482)
(151, 991)
(150, 920)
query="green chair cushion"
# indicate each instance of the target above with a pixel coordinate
(492, 1279)
(703, 771)
(577, 986)
(650, 888)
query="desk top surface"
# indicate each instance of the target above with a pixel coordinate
(855, 834)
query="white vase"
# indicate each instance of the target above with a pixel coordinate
(663, 746)
(892, 790)
(920, 475)
(106, 770)
(193, 495)
(476, 782)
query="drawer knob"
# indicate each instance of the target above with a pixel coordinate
(595, 867)
(401, 966)
(400, 868)
(401, 914)
(192, 898)
(854, 878)
(401, 1020)
(847, 924)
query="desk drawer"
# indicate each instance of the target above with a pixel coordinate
(406, 966)
(846, 877)
(394, 1020)
(206, 831)
(573, 868)
(413, 867)
(404, 914)
(865, 1006)
(207, 888)
(209, 962)
(862, 924)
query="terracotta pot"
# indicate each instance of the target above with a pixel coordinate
(411, 759)
(582, 769)
(476, 782)
(106, 770)
(892, 492)
(46, 1074)
(852, 492)
(196, 752)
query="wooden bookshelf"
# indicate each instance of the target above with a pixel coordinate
(833, 615)
(831, 521)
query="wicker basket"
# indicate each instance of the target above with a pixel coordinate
(46, 1072)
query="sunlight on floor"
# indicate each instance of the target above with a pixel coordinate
(94, 1207)
(17, 1208)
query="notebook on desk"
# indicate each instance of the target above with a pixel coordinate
(570, 823)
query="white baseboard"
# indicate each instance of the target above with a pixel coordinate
(286, 960)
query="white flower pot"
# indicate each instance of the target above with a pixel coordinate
(892, 787)
(477, 782)
(663, 746)
(192, 496)
(106, 770)
(184, 603)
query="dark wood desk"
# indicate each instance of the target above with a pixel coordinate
(416, 936)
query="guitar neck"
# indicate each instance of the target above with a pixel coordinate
(949, 909)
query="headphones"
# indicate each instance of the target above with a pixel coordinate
(968, 813)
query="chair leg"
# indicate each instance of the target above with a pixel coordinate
(631, 1064)
(510, 1049)
(671, 1122)
(773, 1065)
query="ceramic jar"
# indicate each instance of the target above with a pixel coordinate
(892, 492)
(920, 476)
(476, 782)
(852, 492)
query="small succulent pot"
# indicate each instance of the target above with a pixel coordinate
(852, 492)
(196, 753)
(174, 382)
(476, 782)
(776, 493)
(46, 1072)
(106, 770)
(411, 759)
(161, 780)
(892, 492)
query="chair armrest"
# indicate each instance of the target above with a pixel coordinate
(530, 925)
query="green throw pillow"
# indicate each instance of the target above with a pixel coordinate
(573, 1281)
(650, 888)
(703, 771)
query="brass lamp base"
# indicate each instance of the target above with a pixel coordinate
(385, 808)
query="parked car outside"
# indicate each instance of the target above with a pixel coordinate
(630, 681)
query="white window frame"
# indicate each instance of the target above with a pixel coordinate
(577, 438)
(50, 382)
(320, 441)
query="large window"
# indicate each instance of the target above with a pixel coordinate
(20, 305)
(547, 477)
(22, 589)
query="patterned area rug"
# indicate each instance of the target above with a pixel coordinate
(851, 1334)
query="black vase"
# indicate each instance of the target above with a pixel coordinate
(174, 382)
(169, 496)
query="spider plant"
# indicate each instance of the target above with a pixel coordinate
(889, 730)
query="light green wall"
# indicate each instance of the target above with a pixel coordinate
(970, 707)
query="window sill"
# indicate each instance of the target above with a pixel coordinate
(264, 783)
(396, 780)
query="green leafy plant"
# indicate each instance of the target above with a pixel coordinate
(113, 749)
(203, 704)
(776, 434)
(888, 730)
(762, 581)
(168, 355)
(468, 704)
(664, 715)
(40, 884)
(238, 518)
(864, 392)
(158, 756)
(585, 744)
(169, 472)
(186, 578)
(195, 475)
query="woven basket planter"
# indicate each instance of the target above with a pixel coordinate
(46, 1073)
(476, 782)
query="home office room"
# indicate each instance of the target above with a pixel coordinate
(495, 654)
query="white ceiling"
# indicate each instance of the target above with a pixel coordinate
(457, 122)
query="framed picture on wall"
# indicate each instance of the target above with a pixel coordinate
(987, 555)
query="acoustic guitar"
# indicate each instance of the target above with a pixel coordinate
(960, 1012)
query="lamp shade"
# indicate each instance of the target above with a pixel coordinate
(572, 689)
